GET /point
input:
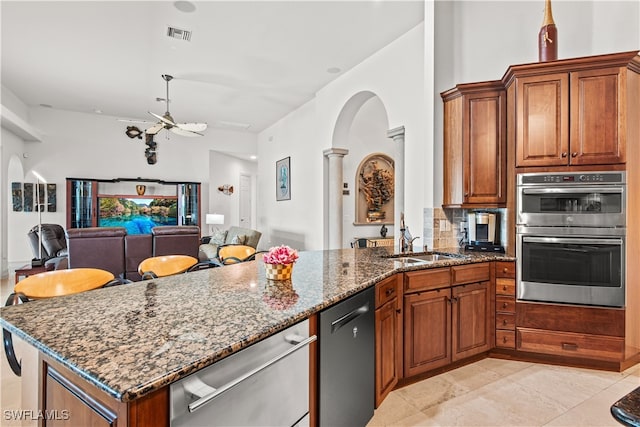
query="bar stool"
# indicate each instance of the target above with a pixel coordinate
(48, 285)
(167, 265)
(232, 254)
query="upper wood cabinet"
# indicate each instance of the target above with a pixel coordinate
(575, 112)
(475, 145)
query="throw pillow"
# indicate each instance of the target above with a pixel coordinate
(240, 239)
(218, 236)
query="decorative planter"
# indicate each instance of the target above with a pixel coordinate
(278, 271)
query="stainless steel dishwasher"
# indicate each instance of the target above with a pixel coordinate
(266, 384)
(347, 354)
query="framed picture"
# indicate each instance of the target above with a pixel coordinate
(283, 179)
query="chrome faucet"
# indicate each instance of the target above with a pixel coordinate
(405, 243)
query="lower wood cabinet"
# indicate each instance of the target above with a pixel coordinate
(70, 401)
(596, 333)
(450, 323)
(388, 318)
(505, 273)
(427, 331)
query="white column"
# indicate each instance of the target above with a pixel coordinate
(335, 214)
(398, 205)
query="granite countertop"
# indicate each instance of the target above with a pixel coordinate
(627, 409)
(133, 339)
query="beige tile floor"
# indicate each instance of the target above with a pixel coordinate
(495, 392)
(491, 392)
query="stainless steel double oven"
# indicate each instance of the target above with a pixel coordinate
(570, 239)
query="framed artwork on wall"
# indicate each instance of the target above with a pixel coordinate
(283, 179)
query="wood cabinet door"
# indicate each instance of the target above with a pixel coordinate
(542, 120)
(427, 331)
(484, 148)
(472, 329)
(597, 125)
(386, 349)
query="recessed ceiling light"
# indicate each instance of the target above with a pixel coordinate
(333, 70)
(253, 157)
(97, 111)
(232, 125)
(184, 6)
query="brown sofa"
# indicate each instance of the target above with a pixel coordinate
(112, 249)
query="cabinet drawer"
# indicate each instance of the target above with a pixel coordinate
(506, 321)
(386, 290)
(506, 269)
(506, 339)
(470, 273)
(506, 287)
(505, 304)
(415, 281)
(570, 344)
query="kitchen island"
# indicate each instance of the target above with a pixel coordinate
(130, 341)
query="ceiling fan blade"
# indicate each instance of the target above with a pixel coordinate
(193, 127)
(184, 132)
(162, 119)
(154, 129)
(134, 121)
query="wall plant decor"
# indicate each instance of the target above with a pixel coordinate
(283, 179)
(375, 182)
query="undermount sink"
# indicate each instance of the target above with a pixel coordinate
(415, 258)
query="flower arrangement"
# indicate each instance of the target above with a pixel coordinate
(280, 255)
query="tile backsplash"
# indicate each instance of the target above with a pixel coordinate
(442, 227)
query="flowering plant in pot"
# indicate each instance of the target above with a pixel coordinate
(279, 262)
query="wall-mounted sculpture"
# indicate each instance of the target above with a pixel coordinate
(375, 181)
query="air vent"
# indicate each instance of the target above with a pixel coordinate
(177, 33)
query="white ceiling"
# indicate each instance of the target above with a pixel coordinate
(247, 62)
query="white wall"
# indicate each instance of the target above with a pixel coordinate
(225, 169)
(368, 134)
(479, 40)
(395, 75)
(93, 146)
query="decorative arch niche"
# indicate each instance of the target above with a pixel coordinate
(375, 190)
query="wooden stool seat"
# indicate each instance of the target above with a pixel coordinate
(232, 254)
(62, 282)
(167, 265)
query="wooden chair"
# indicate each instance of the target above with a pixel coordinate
(48, 285)
(168, 265)
(232, 254)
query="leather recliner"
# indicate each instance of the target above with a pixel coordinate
(54, 244)
(176, 240)
(97, 247)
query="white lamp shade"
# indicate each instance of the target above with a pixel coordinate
(215, 219)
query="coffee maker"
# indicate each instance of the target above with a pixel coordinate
(482, 232)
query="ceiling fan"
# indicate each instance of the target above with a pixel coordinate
(167, 122)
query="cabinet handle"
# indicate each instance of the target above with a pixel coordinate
(398, 311)
(564, 154)
(504, 270)
(505, 305)
(574, 154)
(569, 346)
(504, 287)
(389, 291)
(504, 339)
(504, 321)
(466, 194)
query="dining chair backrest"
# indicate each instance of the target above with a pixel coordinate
(232, 254)
(166, 265)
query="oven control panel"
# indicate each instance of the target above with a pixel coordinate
(572, 178)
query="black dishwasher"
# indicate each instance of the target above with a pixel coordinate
(347, 370)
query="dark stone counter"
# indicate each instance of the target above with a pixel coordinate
(133, 339)
(627, 409)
